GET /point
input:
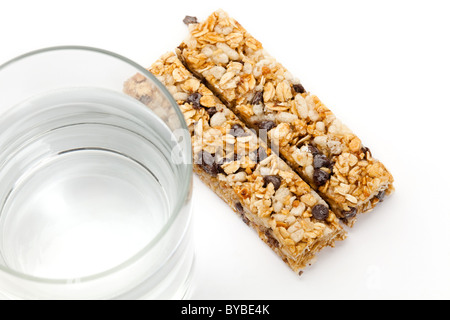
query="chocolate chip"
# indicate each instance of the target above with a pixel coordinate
(194, 99)
(240, 210)
(190, 20)
(321, 161)
(320, 177)
(219, 163)
(239, 207)
(320, 212)
(271, 240)
(313, 150)
(350, 214)
(145, 99)
(211, 111)
(258, 155)
(365, 150)
(209, 164)
(275, 180)
(258, 98)
(267, 125)
(231, 158)
(238, 131)
(300, 273)
(381, 195)
(299, 88)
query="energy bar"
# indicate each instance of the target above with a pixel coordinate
(270, 197)
(268, 99)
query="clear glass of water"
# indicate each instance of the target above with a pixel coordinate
(95, 199)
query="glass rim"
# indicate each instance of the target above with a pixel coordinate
(185, 184)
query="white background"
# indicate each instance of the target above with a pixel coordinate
(382, 66)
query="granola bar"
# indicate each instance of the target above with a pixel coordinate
(269, 196)
(325, 153)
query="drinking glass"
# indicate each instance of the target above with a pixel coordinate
(95, 199)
